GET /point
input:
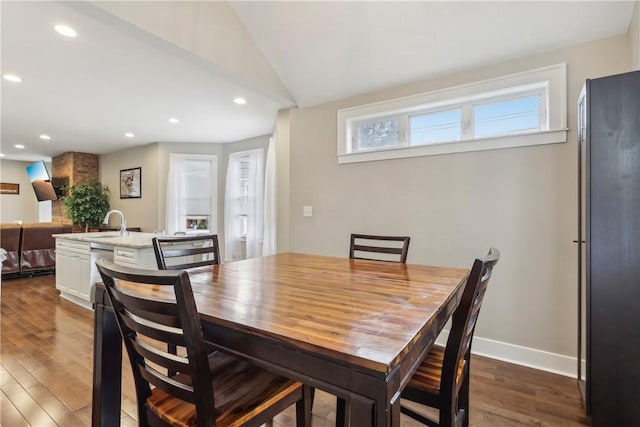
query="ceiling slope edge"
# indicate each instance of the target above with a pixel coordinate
(208, 34)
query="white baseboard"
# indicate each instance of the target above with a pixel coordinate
(519, 355)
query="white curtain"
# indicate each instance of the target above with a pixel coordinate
(244, 205)
(269, 242)
(172, 205)
(191, 193)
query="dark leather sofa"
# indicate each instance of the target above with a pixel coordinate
(30, 247)
(10, 235)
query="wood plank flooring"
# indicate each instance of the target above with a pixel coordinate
(46, 358)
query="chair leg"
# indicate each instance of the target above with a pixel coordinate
(341, 412)
(313, 396)
(303, 407)
(448, 413)
(463, 400)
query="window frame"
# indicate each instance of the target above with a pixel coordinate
(549, 82)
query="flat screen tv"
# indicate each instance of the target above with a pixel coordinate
(41, 181)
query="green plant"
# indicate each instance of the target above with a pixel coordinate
(87, 203)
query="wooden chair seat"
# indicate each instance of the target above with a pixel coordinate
(428, 376)
(238, 385)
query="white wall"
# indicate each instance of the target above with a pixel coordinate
(23, 206)
(283, 188)
(148, 212)
(454, 207)
(634, 38)
(142, 212)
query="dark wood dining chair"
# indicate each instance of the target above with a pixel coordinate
(442, 379)
(379, 248)
(209, 389)
(183, 252)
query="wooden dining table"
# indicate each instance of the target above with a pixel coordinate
(355, 328)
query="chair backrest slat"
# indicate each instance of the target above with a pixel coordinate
(371, 244)
(183, 252)
(142, 326)
(171, 361)
(178, 252)
(378, 249)
(188, 265)
(167, 384)
(140, 304)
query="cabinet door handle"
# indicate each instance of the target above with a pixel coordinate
(581, 241)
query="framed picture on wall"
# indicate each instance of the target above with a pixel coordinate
(131, 183)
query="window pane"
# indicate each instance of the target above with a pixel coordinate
(196, 187)
(501, 118)
(378, 135)
(194, 198)
(435, 127)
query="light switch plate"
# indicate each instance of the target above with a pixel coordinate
(307, 211)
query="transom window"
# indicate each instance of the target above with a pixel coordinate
(512, 111)
(515, 110)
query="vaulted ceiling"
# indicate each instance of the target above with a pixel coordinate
(135, 65)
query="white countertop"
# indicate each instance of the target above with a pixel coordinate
(111, 238)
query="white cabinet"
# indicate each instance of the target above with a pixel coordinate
(139, 258)
(62, 266)
(76, 271)
(79, 276)
(73, 271)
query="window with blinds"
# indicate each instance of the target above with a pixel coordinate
(196, 194)
(191, 203)
(244, 164)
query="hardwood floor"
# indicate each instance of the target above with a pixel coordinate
(46, 364)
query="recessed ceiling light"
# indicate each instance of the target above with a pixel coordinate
(44, 136)
(12, 78)
(65, 30)
(20, 146)
(129, 135)
(1, 154)
(240, 101)
(174, 120)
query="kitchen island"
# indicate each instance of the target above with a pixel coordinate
(76, 255)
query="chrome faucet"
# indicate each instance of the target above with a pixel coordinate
(123, 223)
